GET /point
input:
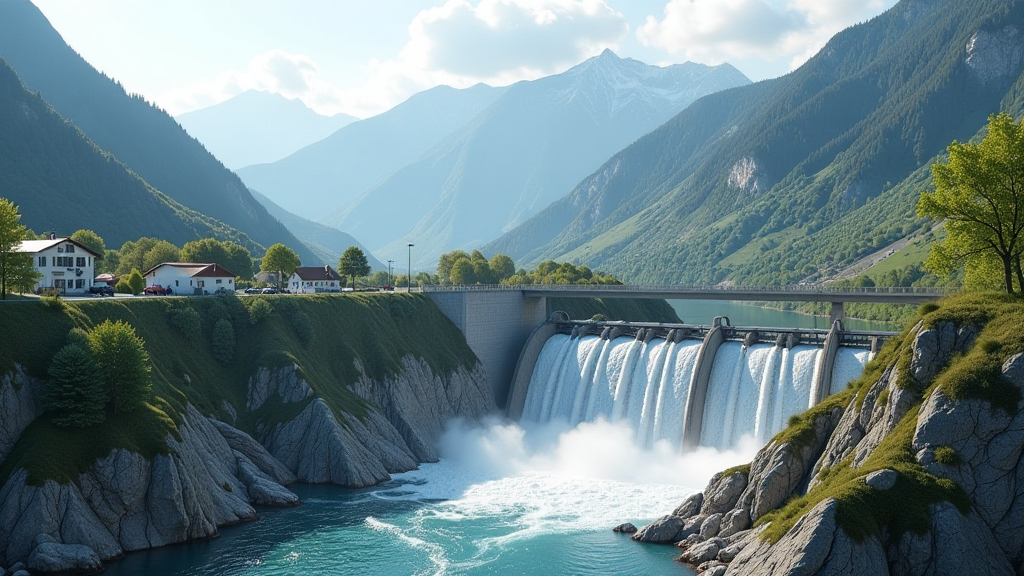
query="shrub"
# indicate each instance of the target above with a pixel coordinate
(136, 282)
(122, 287)
(121, 354)
(75, 392)
(223, 341)
(259, 310)
(78, 336)
(53, 301)
(185, 320)
(303, 327)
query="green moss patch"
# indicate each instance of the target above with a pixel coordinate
(800, 431)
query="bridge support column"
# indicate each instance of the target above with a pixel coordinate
(836, 313)
(822, 385)
(693, 416)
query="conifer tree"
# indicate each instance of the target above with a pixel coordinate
(122, 356)
(75, 393)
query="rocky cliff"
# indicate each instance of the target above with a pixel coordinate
(916, 470)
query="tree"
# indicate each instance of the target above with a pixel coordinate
(144, 254)
(92, 241)
(353, 263)
(502, 267)
(280, 259)
(75, 392)
(223, 341)
(226, 254)
(445, 263)
(121, 355)
(462, 272)
(979, 191)
(16, 270)
(136, 282)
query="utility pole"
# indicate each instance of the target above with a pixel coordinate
(390, 283)
(410, 267)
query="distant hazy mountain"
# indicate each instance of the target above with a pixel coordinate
(61, 181)
(526, 150)
(326, 242)
(791, 179)
(259, 127)
(142, 136)
(338, 169)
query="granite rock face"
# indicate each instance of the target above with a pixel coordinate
(404, 418)
(978, 446)
(126, 502)
(20, 404)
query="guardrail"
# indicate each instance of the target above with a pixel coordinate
(686, 288)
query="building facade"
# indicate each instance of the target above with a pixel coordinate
(66, 266)
(190, 278)
(314, 279)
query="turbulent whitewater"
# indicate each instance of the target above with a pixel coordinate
(752, 391)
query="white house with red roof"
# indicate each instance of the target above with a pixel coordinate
(314, 279)
(65, 265)
(190, 278)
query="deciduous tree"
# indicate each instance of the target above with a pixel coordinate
(979, 191)
(90, 240)
(280, 259)
(16, 270)
(229, 255)
(121, 355)
(353, 263)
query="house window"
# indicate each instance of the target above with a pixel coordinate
(175, 283)
(70, 248)
(229, 280)
(80, 261)
(79, 284)
(42, 261)
(218, 280)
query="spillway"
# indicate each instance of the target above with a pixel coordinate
(645, 383)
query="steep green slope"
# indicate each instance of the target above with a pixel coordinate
(61, 181)
(142, 136)
(376, 330)
(759, 167)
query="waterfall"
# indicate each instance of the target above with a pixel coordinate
(644, 383)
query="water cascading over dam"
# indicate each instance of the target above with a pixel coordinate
(644, 381)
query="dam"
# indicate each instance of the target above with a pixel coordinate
(688, 385)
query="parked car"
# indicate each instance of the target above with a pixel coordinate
(101, 289)
(269, 290)
(253, 290)
(155, 290)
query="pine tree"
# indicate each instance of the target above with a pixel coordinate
(223, 341)
(75, 393)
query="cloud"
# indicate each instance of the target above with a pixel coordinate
(290, 75)
(459, 43)
(718, 30)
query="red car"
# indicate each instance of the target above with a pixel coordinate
(155, 289)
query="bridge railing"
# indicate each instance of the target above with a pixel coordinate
(696, 288)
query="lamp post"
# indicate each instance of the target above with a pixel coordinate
(390, 283)
(410, 267)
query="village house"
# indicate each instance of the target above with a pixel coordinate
(190, 278)
(314, 279)
(65, 265)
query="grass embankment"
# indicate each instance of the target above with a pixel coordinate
(863, 511)
(324, 335)
(631, 309)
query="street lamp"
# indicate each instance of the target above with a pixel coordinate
(410, 267)
(390, 283)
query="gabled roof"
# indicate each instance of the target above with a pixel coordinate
(309, 273)
(37, 246)
(195, 270)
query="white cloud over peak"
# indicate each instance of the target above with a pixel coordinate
(715, 31)
(459, 43)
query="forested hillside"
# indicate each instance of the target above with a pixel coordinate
(790, 179)
(142, 136)
(62, 182)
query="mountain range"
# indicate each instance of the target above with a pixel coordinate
(138, 134)
(259, 127)
(494, 165)
(789, 179)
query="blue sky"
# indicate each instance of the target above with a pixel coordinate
(364, 56)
